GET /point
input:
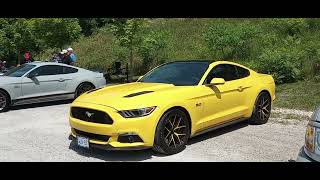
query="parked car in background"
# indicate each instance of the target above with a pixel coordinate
(310, 152)
(170, 104)
(45, 81)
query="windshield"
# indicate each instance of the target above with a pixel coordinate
(19, 71)
(177, 73)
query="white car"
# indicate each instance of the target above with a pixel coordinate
(44, 81)
(310, 152)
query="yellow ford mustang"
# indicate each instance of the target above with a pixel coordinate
(170, 104)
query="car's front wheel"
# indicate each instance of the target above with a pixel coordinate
(4, 101)
(262, 109)
(172, 132)
(82, 88)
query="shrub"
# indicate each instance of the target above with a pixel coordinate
(286, 26)
(281, 64)
(229, 40)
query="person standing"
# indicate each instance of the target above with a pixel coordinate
(66, 58)
(56, 58)
(27, 58)
(1, 66)
(60, 55)
(73, 57)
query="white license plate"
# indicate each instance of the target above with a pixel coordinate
(83, 142)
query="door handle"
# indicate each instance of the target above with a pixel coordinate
(61, 80)
(240, 88)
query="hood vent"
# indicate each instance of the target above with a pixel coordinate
(137, 94)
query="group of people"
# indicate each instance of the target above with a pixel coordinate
(66, 56)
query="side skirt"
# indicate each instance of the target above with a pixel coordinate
(211, 128)
(49, 98)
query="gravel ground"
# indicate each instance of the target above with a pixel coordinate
(39, 133)
(293, 111)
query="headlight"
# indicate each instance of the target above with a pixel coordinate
(137, 112)
(310, 138)
(317, 148)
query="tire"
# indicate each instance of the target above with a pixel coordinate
(172, 132)
(261, 110)
(82, 88)
(4, 101)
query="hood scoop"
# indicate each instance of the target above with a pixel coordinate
(137, 94)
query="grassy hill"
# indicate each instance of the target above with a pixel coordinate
(184, 40)
(288, 47)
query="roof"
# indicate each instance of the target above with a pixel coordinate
(191, 60)
(209, 61)
(41, 63)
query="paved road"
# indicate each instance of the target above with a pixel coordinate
(39, 133)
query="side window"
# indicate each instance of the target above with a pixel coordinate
(242, 73)
(69, 70)
(48, 70)
(225, 71)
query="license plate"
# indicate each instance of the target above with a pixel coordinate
(83, 142)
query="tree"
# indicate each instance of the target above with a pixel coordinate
(4, 45)
(230, 40)
(57, 32)
(152, 47)
(16, 37)
(89, 25)
(126, 31)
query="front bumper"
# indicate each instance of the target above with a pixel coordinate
(303, 157)
(144, 127)
(108, 147)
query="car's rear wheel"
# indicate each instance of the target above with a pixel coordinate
(82, 88)
(4, 101)
(262, 109)
(172, 132)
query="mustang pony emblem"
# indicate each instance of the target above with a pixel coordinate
(89, 114)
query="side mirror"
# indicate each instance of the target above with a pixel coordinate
(32, 75)
(217, 81)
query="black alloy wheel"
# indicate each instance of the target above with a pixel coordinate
(262, 109)
(172, 132)
(84, 87)
(4, 101)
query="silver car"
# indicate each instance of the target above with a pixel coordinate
(310, 152)
(44, 81)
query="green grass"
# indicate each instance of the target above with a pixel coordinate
(304, 95)
(288, 116)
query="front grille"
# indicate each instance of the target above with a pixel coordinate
(91, 115)
(92, 136)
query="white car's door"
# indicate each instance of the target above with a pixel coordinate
(44, 81)
(70, 76)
